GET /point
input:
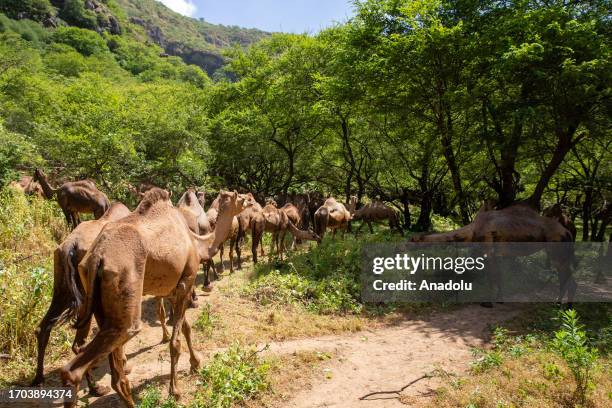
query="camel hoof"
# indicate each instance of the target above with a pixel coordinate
(99, 390)
(127, 368)
(195, 363)
(488, 305)
(165, 339)
(175, 393)
(37, 382)
(208, 288)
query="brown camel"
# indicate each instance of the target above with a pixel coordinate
(333, 215)
(68, 288)
(556, 212)
(376, 211)
(302, 235)
(189, 204)
(276, 222)
(75, 197)
(150, 252)
(294, 214)
(251, 219)
(28, 186)
(517, 223)
(232, 237)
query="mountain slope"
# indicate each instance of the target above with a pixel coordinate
(195, 41)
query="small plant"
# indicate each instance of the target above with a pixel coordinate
(486, 361)
(151, 397)
(231, 377)
(572, 345)
(207, 321)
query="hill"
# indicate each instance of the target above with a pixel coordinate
(195, 41)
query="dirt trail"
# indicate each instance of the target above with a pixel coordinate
(370, 361)
(390, 358)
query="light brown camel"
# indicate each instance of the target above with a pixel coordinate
(517, 223)
(150, 252)
(556, 212)
(333, 215)
(28, 186)
(302, 235)
(232, 237)
(68, 289)
(276, 222)
(251, 219)
(75, 197)
(376, 211)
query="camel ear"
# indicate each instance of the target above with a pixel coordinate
(169, 193)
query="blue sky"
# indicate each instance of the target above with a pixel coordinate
(296, 16)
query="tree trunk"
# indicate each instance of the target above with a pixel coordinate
(406, 209)
(587, 206)
(424, 221)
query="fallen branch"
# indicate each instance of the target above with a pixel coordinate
(398, 392)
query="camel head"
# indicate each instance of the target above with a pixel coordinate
(250, 199)
(231, 201)
(39, 175)
(312, 236)
(554, 211)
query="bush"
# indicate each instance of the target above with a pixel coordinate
(33, 9)
(15, 151)
(29, 230)
(231, 377)
(572, 345)
(324, 279)
(86, 42)
(151, 397)
(74, 12)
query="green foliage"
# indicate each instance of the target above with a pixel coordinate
(324, 280)
(29, 230)
(74, 12)
(231, 377)
(572, 345)
(15, 152)
(28, 30)
(33, 9)
(207, 321)
(151, 397)
(86, 42)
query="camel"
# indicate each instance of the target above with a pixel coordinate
(333, 215)
(68, 288)
(75, 197)
(294, 214)
(374, 212)
(150, 252)
(517, 223)
(276, 222)
(232, 236)
(28, 186)
(191, 207)
(556, 212)
(251, 219)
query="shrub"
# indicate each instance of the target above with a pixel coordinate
(572, 345)
(86, 42)
(206, 321)
(29, 230)
(231, 377)
(15, 151)
(151, 397)
(34, 9)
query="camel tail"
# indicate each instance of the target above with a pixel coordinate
(75, 291)
(93, 283)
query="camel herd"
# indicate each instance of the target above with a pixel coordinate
(106, 265)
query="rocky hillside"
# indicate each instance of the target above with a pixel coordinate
(195, 41)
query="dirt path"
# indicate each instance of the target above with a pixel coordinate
(390, 358)
(369, 361)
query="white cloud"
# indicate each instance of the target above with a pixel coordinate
(184, 7)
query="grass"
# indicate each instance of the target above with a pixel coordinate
(525, 368)
(29, 231)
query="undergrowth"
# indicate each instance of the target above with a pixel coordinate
(29, 231)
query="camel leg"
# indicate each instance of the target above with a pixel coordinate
(370, 226)
(119, 380)
(221, 266)
(102, 344)
(181, 292)
(567, 283)
(255, 239)
(59, 303)
(282, 243)
(194, 358)
(231, 255)
(334, 233)
(161, 314)
(238, 243)
(68, 216)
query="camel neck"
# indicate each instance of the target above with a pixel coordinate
(47, 189)
(222, 228)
